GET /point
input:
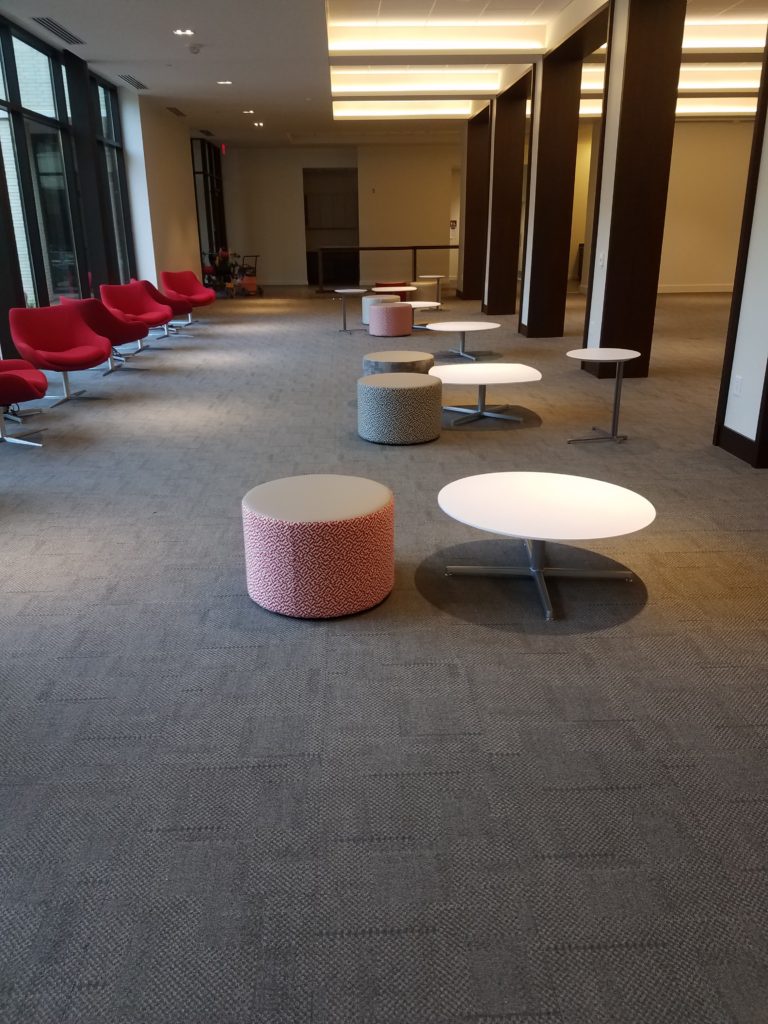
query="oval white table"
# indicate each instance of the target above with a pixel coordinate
(619, 356)
(344, 292)
(417, 304)
(394, 289)
(540, 507)
(480, 375)
(438, 279)
(462, 327)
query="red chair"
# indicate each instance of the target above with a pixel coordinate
(19, 382)
(58, 338)
(180, 307)
(132, 301)
(120, 331)
(184, 284)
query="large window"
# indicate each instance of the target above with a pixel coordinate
(62, 169)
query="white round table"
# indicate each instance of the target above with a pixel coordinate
(421, 304)
(438, 279)
(393, 289)
(619, 356)
(462, 327)
(540, 507)
(480, 375)
(344, 292)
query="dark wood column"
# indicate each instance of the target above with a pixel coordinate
(555, 137)
(741, 425)
(476, 190)
(506, 197)
(639, 124)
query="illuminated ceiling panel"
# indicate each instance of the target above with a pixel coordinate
(693, 78)
(418, 36)
(705, 106)
(405, 80)
(389, 109)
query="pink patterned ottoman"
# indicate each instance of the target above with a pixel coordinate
(319, 546)
(394, 320)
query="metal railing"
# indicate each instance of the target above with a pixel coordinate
(413, 249)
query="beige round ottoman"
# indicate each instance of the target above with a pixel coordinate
(398, 362)
(319, 546)
(368, 301)
(391, 320)
(399, 408)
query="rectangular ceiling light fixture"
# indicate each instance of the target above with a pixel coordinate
(407, 81)
(438, 36)
(59, 31)
(364, 110)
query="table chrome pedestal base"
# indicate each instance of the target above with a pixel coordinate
(599, 435)
(538, 572)
(492, 411)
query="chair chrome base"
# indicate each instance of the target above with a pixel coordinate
(20, 438)
(17, 415)
(599, 435)
(538, 572)
(68, 393)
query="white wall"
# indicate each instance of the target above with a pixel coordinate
(406, 198)
(264, 203)
(161, 187)
(580, 195)
(751, 351)
(705, 205)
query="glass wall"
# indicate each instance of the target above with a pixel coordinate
(62, 167)
(209, 196)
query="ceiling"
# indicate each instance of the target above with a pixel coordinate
(281, 57)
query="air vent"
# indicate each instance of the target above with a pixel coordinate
(176, 111)
(133, 81)
(59, 31)
(204, 131)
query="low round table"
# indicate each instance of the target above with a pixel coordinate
(416, 304)
(438, 279)
(461, 328)
(393, 289)
(398, 361)
(540, 507)
(619, 356)
(344, 292)
(480, 375)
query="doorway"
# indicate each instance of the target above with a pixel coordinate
(331, 219)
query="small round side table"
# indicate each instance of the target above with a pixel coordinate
(438, 279)
(619, 356)
(344, 292)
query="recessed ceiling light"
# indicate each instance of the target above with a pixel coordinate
(258, 124)
(225, 82)
(249, 111)
(183, 32)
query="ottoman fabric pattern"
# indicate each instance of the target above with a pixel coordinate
(321, 569)
(391, 320)
(398, 408)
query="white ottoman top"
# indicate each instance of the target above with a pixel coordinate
(395, 356)
(317, 497)
(405, 381)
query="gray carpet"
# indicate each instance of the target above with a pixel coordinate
(444, 810)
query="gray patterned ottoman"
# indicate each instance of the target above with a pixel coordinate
(398, 362)
(399, 408)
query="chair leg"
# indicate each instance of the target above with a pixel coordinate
(68, 395)
(19, 438)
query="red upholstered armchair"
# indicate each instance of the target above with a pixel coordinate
(119, 330)
(132, 301)
(58, 338)
(179, 306)
(184, 284)
(19, 382)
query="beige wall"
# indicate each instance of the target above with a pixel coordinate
(705, 204)
(264, 201)
(406, 198)
(580, 195)
(159, 171)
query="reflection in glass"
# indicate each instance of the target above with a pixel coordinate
(52, 206)
(106, 115)
(116, 207)
(17, 210)
(35, 85)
